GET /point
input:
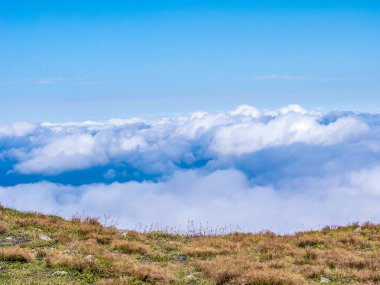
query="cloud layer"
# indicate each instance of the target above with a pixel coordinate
(284, 170)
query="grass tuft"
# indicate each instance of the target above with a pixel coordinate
(15, 254)
(130, 247)
(3, 227)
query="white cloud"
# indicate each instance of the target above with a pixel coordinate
(246, 110)
(282, 169)
(221, 198)
(292, 108)
(17, 129)
(290, 77)
(286, 129)
(65, 153)
(366, 180)
(72, 146)
(287, 77)
(61, 79)
(51, 80)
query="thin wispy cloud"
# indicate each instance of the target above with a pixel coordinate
(289, 77)
(55, 80)
(50, 81)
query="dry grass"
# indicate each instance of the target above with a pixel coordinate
(66, 261)
(126, 246)
(39, 221)
(14, 254)
(111, 267)
(3, 227)
(204, 247)
(115, 281)
(94, 254)
(342, 255)
(125, 265)
(232, 270)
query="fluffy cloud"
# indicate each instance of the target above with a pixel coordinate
(18, 129)
(284, 170)
(284, 130)
(221, 198)
(56, 148)
(65, 153)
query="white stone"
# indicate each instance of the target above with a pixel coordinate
(324, 280)
(44, 237)
(60, 273)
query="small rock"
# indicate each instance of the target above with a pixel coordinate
(17, 239)
(324, 280)
(358, 230)
(181, 258)
(60, 273)
(44, 237)
(88, 258)
(190, 276)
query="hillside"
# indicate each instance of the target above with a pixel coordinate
(40, 249)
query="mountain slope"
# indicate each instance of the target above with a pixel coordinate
(41, 249)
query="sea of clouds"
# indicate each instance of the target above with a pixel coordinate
(283, 170)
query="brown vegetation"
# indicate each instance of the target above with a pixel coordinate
(14, 254)
(93, 254)
(3, 227)
(126, 246)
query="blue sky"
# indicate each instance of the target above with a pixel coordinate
(290, 91)
(81, 60)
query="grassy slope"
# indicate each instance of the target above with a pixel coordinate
(84, 252)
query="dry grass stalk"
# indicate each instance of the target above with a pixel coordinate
(15, 254)
(131, 247)
(3, 227)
